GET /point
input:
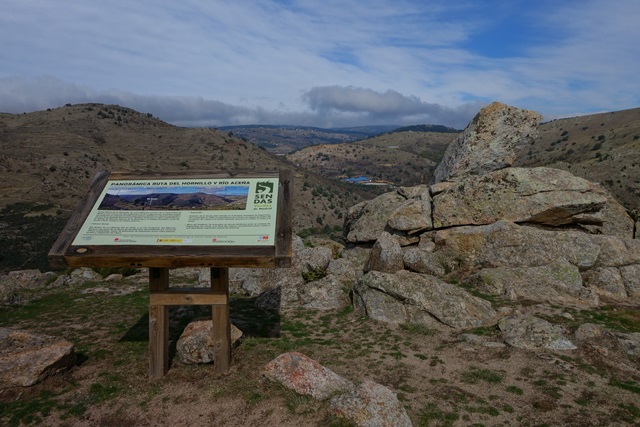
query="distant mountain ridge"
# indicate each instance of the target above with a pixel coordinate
(284, 139)
(427, 128)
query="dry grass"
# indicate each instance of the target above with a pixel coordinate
(440, 380)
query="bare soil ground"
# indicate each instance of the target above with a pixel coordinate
(441, 380)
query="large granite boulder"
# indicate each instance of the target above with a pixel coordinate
(556, 283)
(490, 142)
(631, 278)
(424, 261)
(386, 255)
(617, 252)
(607, 282)
(505, 244)
(406, 297)
(366, 220)
(537, 195)
(415, 213)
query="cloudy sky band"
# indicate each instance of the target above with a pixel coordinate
(321, 63)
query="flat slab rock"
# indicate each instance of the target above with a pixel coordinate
(27, 359)
(531, 333)
(538, 195)
(406, 297)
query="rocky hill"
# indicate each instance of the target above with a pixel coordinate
(600, 147)
(48, 158)
(398, 158)
(282, 140)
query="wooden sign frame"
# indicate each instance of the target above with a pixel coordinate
(159, 258)
(65, 254)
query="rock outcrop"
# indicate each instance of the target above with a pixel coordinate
(525, 234)
(489, 142)
(366, 220)
(556, 283)
(539, 235)
(538, 195)
(407, 297)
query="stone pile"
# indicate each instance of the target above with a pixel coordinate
(537, 234)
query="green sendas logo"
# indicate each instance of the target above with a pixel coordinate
(264, 193)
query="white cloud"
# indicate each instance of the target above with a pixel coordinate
(318, 62)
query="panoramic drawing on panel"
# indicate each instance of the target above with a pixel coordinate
(226, 197)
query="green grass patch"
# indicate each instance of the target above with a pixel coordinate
(614, 318)
(418, 329)
(313, 274)
(432, 415)
(27, 412)
(631, 386)
(515, 390)
(629, 413)
(475, 375)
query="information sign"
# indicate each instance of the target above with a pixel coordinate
(193, 212)
(180, 219)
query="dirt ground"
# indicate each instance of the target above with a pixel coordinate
(441, 379)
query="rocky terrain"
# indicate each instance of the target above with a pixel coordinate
(604, 148)
(494, 295)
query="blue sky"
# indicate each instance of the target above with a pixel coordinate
(321, 63)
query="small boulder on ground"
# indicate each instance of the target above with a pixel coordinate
(195, 345)
(305, 376)
(370, 405)
(532, 333)
(27, 359)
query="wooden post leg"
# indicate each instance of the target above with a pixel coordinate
(221, 331)
(158, 326)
